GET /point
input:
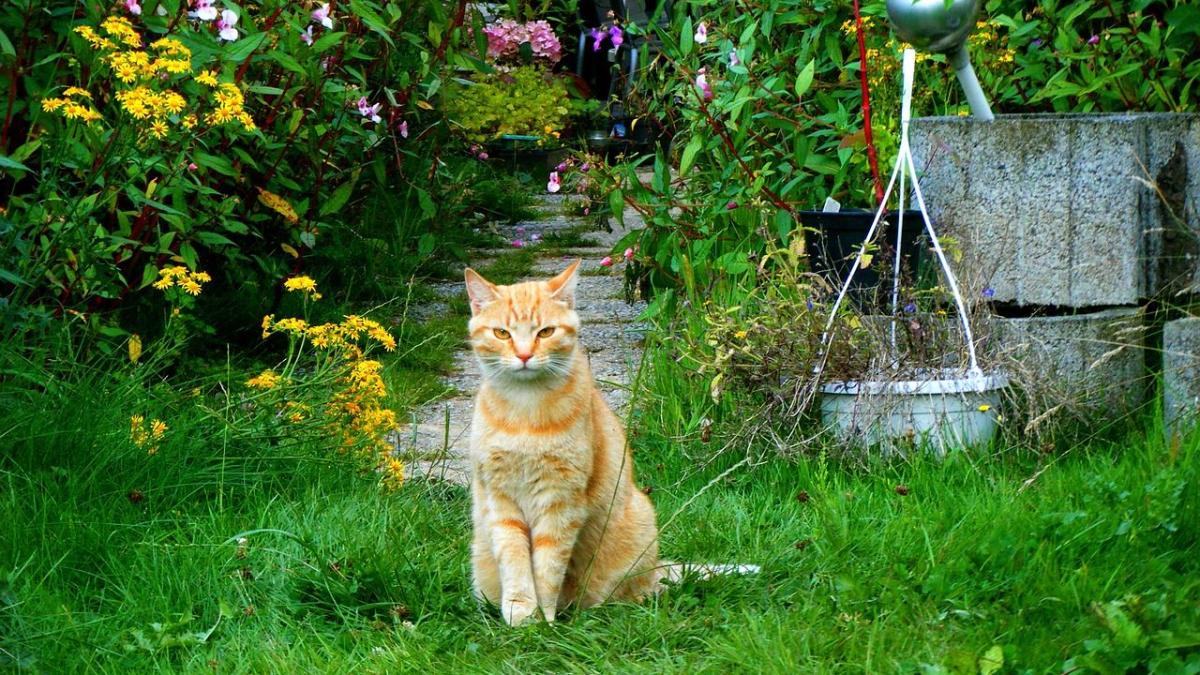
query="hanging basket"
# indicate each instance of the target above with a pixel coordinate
(944, 408)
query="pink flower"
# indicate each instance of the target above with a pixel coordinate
(562, 166)
(606, 261)
(628, 254)
(517, 243)
(506, 36)
(133, 7)
(584, 167)
(225, 27)
(587, 210)
(535, 238)
(204, 10)
(321, 16)
(702, 84)
(192, 166)
(369, 111)
(307, 36)
(403, 128)
(554, 185)
(701, 35)
(733, 58)
(1094, 40)
(730, 205)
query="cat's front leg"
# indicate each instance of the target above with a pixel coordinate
(554, 533)
(510, 546)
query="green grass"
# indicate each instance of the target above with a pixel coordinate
(115, 561)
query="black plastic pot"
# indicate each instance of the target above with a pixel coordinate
(833, 241)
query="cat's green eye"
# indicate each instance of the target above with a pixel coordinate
(546, 332)
(500, 333)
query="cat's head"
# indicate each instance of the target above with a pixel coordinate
(526, 331)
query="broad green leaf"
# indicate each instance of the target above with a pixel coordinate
(616, 202)
(338, 199)
(689, 155)
(805, 78)
(685, 37)
(7, 162)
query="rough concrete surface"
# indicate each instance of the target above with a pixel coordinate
(1090, 364)
(1058, 209)
(434, 442)
(1181, 375)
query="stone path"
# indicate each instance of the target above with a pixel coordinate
(434, 442)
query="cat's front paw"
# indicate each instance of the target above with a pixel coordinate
(517, 611)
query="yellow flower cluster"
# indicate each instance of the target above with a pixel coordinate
(303, 284)
(267, 379)
(207, 78)
(69, 105)
(141, 103)
(365, 422)
(94, 39)
(179, 276)
(344, 335)
(119, 28)
(229, 107)
(146, 436)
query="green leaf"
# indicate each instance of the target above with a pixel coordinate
(805, 78)
(426, 202)
(689, 155)
(6, 45)
(338, 199)
(238, 51)
(284, 59)
(616, 202)
(685, 37)
(372, 20)
(8, 163)
(991, 661)
(425, 244)
(214, 239)
(326, 41)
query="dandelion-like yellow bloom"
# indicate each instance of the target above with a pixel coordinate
(158, 129)
(70, 109)
(94, 38)
(158, 428)
(267, 379)
(206, 77)
(76, 91)
(178, 276)
(120, 28)
(188, 121)
(301, 283)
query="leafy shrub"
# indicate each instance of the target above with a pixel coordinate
(526, 101)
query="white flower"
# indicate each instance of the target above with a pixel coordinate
(701, 35)
(321, 16)
(204, 10)
(307, 36)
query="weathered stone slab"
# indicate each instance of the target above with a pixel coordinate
(1181, 375)
(1074, 367)
(1060, 210)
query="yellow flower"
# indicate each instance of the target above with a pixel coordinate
(267, 379)
(984, 407)
(76, 91)
(179, 276)
(207, 78)
(94, 39)
(158, 129)
(120, 28)
(741, 335)
(190, 286)
(158, 428)
(135, 348)
(302, 283)
(188, 121)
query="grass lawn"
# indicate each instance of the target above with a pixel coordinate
(115, 561)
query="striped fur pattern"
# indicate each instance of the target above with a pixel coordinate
(557, 518)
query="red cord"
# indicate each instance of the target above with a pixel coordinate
(872, 159)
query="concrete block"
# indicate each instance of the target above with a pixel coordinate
(1181, 375)
(1058, 210)
(1083, 367)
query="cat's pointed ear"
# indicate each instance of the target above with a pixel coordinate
(562, 287)
(480, 291)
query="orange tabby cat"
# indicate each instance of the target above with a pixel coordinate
(557, 518)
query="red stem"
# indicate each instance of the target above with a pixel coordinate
(872, 159)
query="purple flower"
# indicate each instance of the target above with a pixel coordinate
(369, 111)
(561, 168)
(597, 38)
(517, 243)
(809, 304)
(989, 292)
(628, 254)
(403, 127)
(910, 308)
(616, 35)
(133, 7)
(307, 35)
(1037, 43)
(701, 35)
(730, 205)
(584, 167)
(733, 59)
(1094, 40)
(535, 238)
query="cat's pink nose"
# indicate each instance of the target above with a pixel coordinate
(524, 357)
